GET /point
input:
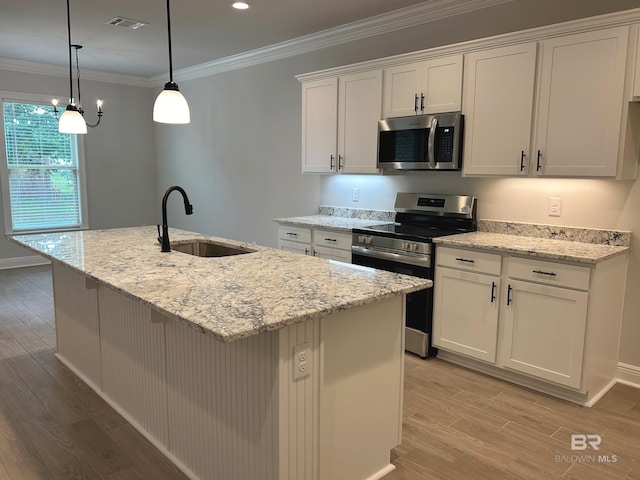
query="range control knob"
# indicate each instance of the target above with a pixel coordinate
(361, 238)
(414, 247)
(368, 239)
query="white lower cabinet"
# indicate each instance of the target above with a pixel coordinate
(550, 326)
(543, 331)
(469, 303)
(321, 243)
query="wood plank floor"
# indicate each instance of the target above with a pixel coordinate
(458, 424)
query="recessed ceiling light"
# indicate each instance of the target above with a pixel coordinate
(240, 5)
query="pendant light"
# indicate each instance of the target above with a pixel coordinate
(72, 120)
(170, 106)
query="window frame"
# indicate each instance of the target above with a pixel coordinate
(16, 97)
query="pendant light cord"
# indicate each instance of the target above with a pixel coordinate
(70, 67)
(169, 30)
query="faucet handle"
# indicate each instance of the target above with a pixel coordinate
(159, 235)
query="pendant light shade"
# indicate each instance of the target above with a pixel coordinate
(170, 106)
(72, 122)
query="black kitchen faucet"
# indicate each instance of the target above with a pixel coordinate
(188, 209)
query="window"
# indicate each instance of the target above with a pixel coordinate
(42, 170)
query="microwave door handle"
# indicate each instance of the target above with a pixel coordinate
(431, 146)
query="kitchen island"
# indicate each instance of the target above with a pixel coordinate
(262, 365)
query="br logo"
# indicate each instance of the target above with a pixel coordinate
(582, 442)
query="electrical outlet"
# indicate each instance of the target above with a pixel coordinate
(355, 194)
(301, 361)
(555, 206)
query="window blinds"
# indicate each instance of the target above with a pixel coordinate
(42, 166)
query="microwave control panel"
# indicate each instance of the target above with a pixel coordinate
(445, 144)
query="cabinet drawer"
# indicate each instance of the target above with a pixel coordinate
(471, 260)
(295, 234)
(550, 273)
(332, 239)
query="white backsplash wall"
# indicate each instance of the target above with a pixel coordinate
(585, 203)
(607, 204)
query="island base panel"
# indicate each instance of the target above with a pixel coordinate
(234, 410)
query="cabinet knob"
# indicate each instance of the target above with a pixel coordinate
(422, 102)
(332, 158)
(538, 162)
(415, 103)
(522, 157)
(493, 291)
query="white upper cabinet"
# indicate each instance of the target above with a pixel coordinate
(498, 107)
(319, 125)
(359, 109)
(580, 103)
(547, 102)
(340, 123)
(432, 86)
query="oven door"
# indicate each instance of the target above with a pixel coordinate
(419, 307)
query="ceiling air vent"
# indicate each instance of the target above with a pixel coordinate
(126, 22)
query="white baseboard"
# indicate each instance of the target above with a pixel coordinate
(629, 374)
(18, 262)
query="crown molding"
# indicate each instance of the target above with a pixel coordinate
(388, 22)
(616, 19)
(58, 71)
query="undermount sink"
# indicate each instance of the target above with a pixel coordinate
(206, 249)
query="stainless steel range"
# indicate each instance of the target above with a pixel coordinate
(406, 247)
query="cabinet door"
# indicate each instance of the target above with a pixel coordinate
(442, 85)
(543, 331)
(332, 253)
(465, 313)
(295, 247)
(498, 106)
(402, 87)
(580, 103)
(319, 126)
(359, 109)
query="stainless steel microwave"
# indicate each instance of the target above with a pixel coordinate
(422, 142)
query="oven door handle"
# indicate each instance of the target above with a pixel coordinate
(393, 257)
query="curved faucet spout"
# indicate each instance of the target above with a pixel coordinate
(188, 209)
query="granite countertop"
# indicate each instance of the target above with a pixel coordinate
(548, 248)
(332, 222)
(227, 297)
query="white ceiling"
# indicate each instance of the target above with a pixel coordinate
(202, 30)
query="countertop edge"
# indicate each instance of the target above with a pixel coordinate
(238, 335)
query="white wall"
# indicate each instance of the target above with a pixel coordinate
(239, 159)
(119, 153)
